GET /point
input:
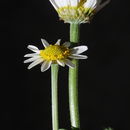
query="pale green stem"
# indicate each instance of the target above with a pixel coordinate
(74, 33)
(54, 96)
(73, 81)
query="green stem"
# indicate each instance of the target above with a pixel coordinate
(54, 96)
(73, 81)
(74, 33)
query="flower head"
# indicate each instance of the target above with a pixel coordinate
(77, 11)
(54, 54)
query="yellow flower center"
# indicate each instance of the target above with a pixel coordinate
(55, 52)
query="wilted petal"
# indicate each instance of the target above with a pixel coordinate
(102, 5)
(66, 44)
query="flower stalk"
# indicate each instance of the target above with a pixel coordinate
(54, 96)
(74, 33)
(73, 80)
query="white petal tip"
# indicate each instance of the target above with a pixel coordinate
(45, 66)
(61, 63)
(33, 48)
(31, 55)
(28, 68)
(45, 43)
(86, 48)
(58, 42)
(69, 63)
(79, 49)
(78, 56)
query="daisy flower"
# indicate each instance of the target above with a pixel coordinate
(77, 11)
(54, 54)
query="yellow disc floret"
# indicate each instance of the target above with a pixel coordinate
(55, 52)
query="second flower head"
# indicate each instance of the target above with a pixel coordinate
(54, 54)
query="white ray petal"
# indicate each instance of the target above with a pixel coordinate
(66, 2)
(45, 43)
(54, 4)
(59, 3)
(69, 63)
(60, 62)
(36, 62)
(63, 3)
(58, 42)
(79, 49)
(31, 55)
(45, 65)
(90, 4)
(78, 57)
(74, 2)
(66, 44)
(32, 59)
(33, 48)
